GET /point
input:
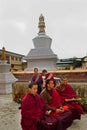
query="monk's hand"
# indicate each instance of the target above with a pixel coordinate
(48, 112)
(59, 110)
(67, 100)
(73, 99)
(61, 107)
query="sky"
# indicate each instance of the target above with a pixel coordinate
(65, 21)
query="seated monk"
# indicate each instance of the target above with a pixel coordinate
(69, 98)
(54, 106)
(32, 108)
(33, 112)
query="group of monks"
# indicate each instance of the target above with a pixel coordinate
(48, 106)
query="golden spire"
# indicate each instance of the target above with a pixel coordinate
(3, 55)
(41, 24)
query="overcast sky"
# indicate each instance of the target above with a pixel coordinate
(65, 20)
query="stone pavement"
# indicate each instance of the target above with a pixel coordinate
(79, 124)
(10, 116)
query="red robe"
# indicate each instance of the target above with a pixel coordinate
(69, 93)
(33, 108)
(51, 77)
(55, 102)
(64, 120)
(39, 80)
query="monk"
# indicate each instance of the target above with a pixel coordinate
(54, 105)
(69, 98)
(32, 109)
(47, 76)
(37, 77)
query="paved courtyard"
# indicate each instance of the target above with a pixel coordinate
(10, 116)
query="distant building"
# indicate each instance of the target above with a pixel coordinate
(69, 64)
(41, 55)
(15, 60)
(64, 64)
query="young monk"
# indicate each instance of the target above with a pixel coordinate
(68, 97)
(54, 105)
(47, 76)
(37, 77)
(32, 109)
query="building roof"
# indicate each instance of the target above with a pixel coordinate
(12, 53)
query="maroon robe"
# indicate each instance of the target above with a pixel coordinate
(69, 93)
(39, 80)
(64, 120)
(51, 77)
(33, 109)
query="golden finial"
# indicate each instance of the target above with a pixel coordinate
(41, 24)
(3, 55)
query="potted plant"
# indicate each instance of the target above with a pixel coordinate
(83, 102)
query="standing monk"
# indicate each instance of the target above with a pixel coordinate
(47, 76)
(37, 78)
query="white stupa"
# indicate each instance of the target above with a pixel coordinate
(6, 78)
(41, 55)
